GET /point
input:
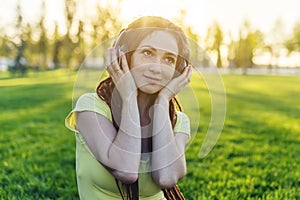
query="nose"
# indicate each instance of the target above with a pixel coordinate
(155, 68)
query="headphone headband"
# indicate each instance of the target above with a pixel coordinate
(119, 38)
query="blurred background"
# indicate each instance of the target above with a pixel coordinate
(42, 35)
(253, 44)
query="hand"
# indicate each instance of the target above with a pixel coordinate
(176, 84)
(122, 78)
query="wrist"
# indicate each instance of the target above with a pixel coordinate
(165, 94)
(132, 97)
(162, 99)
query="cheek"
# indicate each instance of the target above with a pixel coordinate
(136, 61)
(133, 61)
(168, 73)
(137, 72)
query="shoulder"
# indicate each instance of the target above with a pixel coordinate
(90, 98)
(87, 102)
(92, 102)
(182, 123)
(182, 117)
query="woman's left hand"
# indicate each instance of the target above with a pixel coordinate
(176, 84)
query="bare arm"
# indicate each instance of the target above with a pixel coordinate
(119, 151)
(168, 159)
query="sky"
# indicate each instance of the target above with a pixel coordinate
(230, 14)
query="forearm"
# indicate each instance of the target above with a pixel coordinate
(125, 149)
(168, 160)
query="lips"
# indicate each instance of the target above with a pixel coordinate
(152, 78)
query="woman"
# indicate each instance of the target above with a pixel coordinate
(131, 133)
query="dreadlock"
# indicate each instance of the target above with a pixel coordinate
(131, 37)
(104, 91)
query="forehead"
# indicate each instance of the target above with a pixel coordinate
(162, 40)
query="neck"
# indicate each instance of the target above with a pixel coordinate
(145, 102)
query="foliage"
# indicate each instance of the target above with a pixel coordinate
(45, 49)
(74, 37)
(214, 40)
(7, 48)
(244, 48)
(293, 43)
(256, 157)
(196, 54)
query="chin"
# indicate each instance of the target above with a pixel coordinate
(150, 89)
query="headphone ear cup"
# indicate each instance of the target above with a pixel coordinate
(117, 46)
(185, 64)
(182, 64)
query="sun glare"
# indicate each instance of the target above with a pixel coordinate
(199, 14)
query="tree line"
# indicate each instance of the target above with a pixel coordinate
(43, 49)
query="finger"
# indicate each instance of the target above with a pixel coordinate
(186, 73)
(182, 76)
(108, 59)
(112, 69)
(186, 70)
(114, 59)
(189, 73)
(184, 79)
(111, 66)
(124, 62)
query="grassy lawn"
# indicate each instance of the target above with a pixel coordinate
(256, 156)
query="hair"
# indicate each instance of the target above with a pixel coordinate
(129, 39)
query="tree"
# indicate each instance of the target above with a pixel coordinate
(7, 47)
(275, 42)
(80, 49)
(43, 40)
(30, 50)
(244, 51)
(67, 42)
(196, 53)
(293, 43)
(106, 24)
(20, 44)
(214, 39)
(85, 32)
(57, 44)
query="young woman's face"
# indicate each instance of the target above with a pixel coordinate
(153, 62)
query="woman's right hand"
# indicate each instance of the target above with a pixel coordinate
(121, 77)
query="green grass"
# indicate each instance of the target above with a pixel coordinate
(37, 151)
(256, 156)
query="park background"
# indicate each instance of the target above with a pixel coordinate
(254, 45)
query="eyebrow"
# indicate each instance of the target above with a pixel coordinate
(154, 49)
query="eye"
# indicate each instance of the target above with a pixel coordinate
(170, 60)
(147, 52)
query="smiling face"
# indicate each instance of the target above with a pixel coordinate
(153, 62)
